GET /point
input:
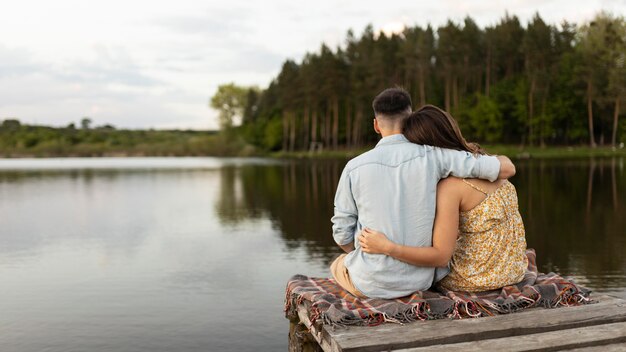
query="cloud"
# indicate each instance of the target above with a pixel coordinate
(16, 62)
(214, 22)
(110, 89)
(155, 64)
(106, 68)
(219, 40)
(109, 67)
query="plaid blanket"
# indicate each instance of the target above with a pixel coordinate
(332, 305)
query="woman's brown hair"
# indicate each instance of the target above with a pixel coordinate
(431, 125)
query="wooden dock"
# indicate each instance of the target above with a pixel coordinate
(594, 327)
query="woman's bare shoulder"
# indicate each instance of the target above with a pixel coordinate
(450, 191)
(449, 184)
(487, 184)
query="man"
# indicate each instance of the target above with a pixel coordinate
(392, 189)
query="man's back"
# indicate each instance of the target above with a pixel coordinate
(392, 189)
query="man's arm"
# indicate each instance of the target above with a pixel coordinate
(345, 217)
(466, 165)
(507, 169)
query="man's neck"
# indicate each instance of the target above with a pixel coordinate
(389, 133)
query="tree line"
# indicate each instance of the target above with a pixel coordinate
(534, 85)
(20, 140)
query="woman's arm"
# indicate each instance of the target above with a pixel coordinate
(347, 247)
(445, 232)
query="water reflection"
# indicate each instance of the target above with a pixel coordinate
(575, 218)
(100, 259)
(573, 210)
(107, 260)
(297, 197)
(111, 208)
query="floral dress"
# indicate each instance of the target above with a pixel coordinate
(490, 249)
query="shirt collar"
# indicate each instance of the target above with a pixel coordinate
(392, 139)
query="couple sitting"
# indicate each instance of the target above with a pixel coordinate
(425, 207)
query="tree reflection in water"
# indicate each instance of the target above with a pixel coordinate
(574, 216)
(573, 211)
(297, 197)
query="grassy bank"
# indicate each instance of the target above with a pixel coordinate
(512, 151)
(518, 152)
(41, 141)
(18, 140)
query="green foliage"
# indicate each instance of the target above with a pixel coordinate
(10, 125)
(273, 135)
(486, 120)
(230, 101)
(508, 83)
(18, 140)
(85, 123)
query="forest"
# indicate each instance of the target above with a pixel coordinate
(534, 85)
(516, 87)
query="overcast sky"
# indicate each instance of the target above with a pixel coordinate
(154, 64)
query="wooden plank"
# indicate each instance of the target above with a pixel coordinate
(618, 347)
(319, 335)
(597, 335)
(300, 339)
(418, 334)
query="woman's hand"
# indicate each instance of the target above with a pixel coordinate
(374, 242)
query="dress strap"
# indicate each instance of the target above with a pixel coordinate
(475, 187)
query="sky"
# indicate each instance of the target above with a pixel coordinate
(155, 64)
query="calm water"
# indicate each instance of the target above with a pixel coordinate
(192, 254)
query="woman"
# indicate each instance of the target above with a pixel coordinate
(478, 228)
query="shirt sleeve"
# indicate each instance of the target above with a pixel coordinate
(466, 165)
(345, 217)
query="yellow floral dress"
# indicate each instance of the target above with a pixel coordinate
(490, 250)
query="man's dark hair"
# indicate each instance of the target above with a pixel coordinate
(391, 102)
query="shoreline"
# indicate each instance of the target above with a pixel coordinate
(512, 151)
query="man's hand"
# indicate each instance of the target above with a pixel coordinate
(507, 169)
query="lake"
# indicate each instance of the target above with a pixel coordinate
(193, 254)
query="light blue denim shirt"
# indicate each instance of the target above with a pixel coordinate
(392, 189)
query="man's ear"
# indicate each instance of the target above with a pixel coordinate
(376, 128)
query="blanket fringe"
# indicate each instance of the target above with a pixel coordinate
(420, 309)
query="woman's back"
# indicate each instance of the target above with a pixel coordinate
(490, 249)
